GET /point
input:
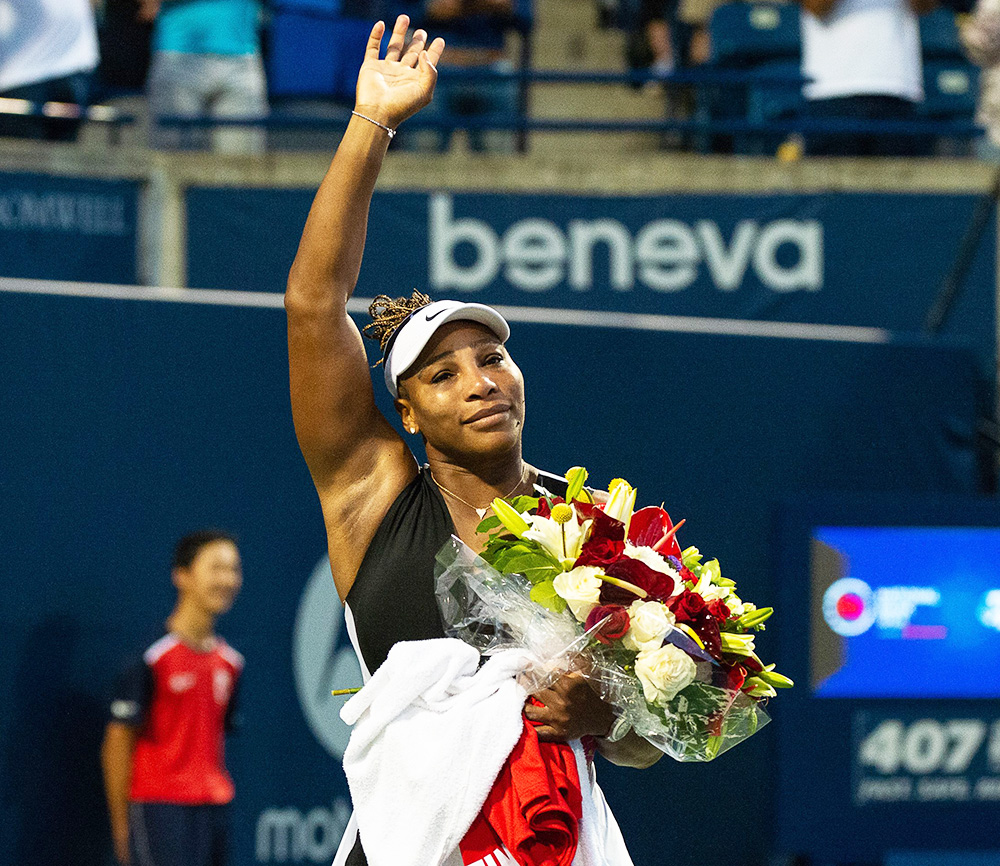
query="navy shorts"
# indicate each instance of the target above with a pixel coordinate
(169, 834)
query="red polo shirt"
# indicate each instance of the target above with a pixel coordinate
(183, 702)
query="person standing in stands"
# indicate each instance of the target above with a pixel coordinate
(981, 38)
(48, 53)
(862, 59)
(163, 754)
(206, 64)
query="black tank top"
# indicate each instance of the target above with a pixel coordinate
(392, 598)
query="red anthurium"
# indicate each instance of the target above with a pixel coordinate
(615, 625)
(652, 527)
(658, 586)
(737, 676)
(605, 526)
(707, 628)
(584, 509)
(648, 526)
(543, 510)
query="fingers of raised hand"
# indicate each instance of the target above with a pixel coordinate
(394, 50)
(435, 50)
(374, 41)
(413, 50)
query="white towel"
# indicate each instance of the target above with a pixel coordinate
(431, 732)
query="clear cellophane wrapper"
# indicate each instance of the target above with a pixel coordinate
(493, 612)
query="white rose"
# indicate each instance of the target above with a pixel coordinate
(648, 556)
(649, 621)
(664, 672)
(580, 588)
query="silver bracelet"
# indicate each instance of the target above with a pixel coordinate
(389, 132)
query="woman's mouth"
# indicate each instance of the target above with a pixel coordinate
(493, 412)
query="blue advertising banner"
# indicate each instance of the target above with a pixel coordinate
(68, 228)
(128, 420)
(869, 259)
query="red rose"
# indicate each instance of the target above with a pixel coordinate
(687, 606)
(585, 510)
(615, 626)
(720, 610)
(600, 552)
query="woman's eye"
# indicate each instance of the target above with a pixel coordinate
(494, 359)
(440, 377)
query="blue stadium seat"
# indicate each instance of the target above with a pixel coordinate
(313, 52)
(950, 90)
(939, 38)
(745, 34)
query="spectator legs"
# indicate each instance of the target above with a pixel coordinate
(206, 85)
(867, 108)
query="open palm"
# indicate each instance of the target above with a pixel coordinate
(401, 83)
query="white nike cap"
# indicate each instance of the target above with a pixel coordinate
(410, 338)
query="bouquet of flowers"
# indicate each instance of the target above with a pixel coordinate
(607, 590)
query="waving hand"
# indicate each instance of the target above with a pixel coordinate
(398, 85)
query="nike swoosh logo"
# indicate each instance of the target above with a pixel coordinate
(436, 313)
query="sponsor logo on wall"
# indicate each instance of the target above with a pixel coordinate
(664, 255)
(322, 659)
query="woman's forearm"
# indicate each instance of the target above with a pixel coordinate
(329, 256)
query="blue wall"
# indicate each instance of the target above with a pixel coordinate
(836, 258)
(126, 423)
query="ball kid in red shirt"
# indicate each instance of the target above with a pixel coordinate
(163, 754)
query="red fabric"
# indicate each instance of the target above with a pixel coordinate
(179, 754)
(533, 808)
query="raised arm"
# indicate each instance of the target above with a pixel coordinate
(353, 453)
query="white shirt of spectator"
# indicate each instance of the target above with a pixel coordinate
(863, 47)
(45, 39)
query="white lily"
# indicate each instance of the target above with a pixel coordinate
(562, 541)
(622, 502)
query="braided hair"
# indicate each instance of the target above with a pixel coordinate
(388, 314)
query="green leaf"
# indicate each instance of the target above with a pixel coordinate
(489, 524)
(525, 503)
(544, 593)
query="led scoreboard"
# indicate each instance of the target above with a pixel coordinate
(890, 624)
(905, 612)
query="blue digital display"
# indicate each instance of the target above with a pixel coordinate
(905, 612)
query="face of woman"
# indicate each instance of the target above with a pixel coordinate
(464, 393)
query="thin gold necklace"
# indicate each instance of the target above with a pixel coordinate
(480, 511)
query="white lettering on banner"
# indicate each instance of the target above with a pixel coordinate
(287, 835)
(72, 213)
(666, 255)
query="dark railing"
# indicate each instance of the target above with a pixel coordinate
(702, 123)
